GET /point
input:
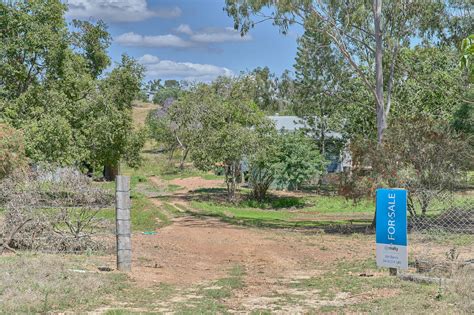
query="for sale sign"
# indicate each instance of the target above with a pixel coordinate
(391, 228)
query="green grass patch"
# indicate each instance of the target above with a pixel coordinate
(240, 212)
(275, 203)
(173, 209)
(201, 306)
(144, 214)
(264, 215)
(172, 188)
(158, 164)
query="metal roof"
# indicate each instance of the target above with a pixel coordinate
(292, 123)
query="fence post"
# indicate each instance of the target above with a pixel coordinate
(122, 211)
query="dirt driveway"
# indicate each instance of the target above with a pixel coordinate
(280, 270)
(196, 251)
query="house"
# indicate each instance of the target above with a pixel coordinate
(338, 154)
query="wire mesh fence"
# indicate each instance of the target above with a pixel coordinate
(441, 232)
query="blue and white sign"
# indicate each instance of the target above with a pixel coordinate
(391, 228)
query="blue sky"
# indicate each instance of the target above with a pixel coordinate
(187, 39)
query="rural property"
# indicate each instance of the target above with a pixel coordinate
(236, 157)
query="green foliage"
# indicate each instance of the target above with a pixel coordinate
(321, 77)
(12, 151)
(110, 133)
(351, 30)
(430, 83)
(160, 129)
(217, 123)
(463, 118)
(93, 41)
(169, 91)
(228, 129)
(297, 161)
(33, 37)
(50, 140)
(287, 160)
(166, 93)
(50, 87)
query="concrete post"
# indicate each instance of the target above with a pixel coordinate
(124, 242)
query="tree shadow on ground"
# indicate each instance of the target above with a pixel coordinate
(273, 203)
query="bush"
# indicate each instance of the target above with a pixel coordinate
(419, 154)
(12, 150)
(288, 161)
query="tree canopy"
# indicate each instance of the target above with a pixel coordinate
(52, 87)
(367, 34)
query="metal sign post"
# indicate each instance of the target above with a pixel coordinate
(391, 229)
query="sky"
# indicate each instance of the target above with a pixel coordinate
(187, 39)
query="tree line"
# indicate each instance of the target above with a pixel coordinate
(364, 69)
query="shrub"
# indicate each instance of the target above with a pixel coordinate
(420, 154)
(288, 161)
(12, 150)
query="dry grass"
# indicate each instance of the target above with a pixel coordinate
(462, 287)
(39, 283)
(140, 112)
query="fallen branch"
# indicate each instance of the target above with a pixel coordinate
(7, 240)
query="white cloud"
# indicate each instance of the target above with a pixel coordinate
(185, 29)
(219, 35)
(148, 59)
(194, 38)
(118, 10)
(156, 67)
(169, 40)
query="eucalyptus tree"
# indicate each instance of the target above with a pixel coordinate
(368, 34)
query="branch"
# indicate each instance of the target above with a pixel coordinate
(6, 241)
(342, 48)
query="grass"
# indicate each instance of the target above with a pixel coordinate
(211, 299)
(337, 204)
(159, 165)
(145, 215)
(283, 212)
(412, 298)
(140, 112)
(438, 236)
(40, 283)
